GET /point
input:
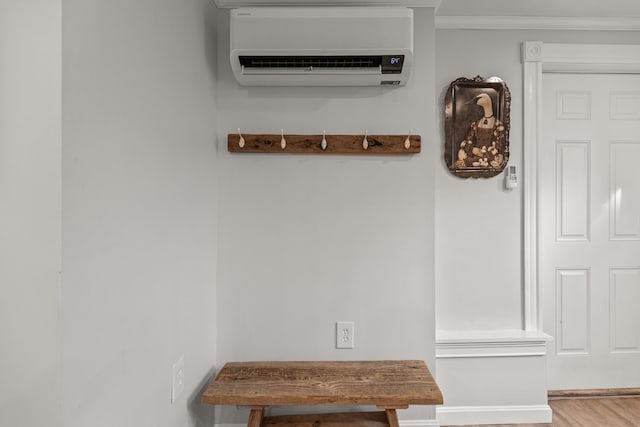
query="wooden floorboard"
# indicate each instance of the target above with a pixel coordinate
(590, 412)
(598, 392)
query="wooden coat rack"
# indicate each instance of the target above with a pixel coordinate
(324, 144)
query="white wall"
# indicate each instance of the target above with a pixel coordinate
(478, 261)
(479, 251)
(478, 223)
(308, 240)
(139, 210)
(30, 139)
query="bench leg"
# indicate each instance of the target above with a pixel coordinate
(256, 416)
(392, 418)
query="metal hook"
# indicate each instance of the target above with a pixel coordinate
(283, 142)
(324, 144)
(241, 141)
(365, 142)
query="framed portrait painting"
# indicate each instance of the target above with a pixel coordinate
(477, 127)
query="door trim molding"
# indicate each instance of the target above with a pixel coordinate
(539, 58)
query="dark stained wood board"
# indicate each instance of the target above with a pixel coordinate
(336, 144)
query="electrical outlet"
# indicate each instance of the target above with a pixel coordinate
(344, 334)
(177, 384)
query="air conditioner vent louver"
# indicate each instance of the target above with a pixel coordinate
(311, 61)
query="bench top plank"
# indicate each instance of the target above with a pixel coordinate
(389, 383)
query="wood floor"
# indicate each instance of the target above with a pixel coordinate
(591, 412)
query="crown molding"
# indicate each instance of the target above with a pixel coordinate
(537, 23)
(230, 4)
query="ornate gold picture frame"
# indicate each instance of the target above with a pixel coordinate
(477, 127)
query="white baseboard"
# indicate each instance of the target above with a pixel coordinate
(419, 423)
(465, 415)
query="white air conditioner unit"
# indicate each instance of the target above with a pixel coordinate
(321, 46)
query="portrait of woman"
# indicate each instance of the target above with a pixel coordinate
(477, 127)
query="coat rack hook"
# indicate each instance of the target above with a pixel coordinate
(324, 144)
(365, 142)
(407, 142)
(241, 141)
(283, 142)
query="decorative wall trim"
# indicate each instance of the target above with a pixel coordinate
(229, 4)
(538, 57)
(589, 58)
(536, 23)
(468, 344)
(532, 57)
(467, 415)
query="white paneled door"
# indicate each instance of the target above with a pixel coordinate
(589, 242)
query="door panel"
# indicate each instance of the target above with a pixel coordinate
(589, 241)
(573, 190)
(573, 319)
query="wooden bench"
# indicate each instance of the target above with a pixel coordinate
(389, 385)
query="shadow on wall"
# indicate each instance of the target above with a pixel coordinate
(201, 414)
(210, 15)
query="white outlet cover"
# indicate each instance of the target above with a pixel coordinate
(177, 383)
(344, 334)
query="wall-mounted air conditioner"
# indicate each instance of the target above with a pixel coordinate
(321, 46)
